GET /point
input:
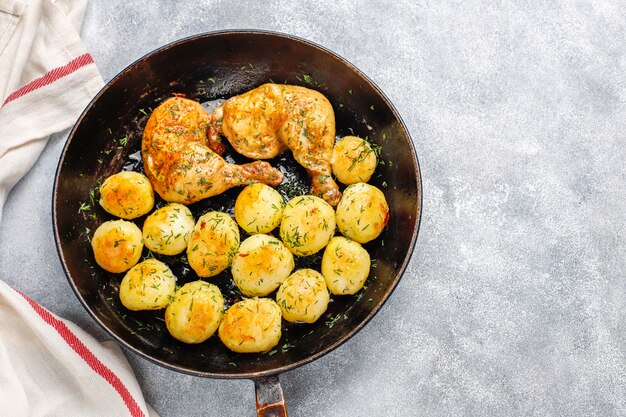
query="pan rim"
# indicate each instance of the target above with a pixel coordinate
(293, 365)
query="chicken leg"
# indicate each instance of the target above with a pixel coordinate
(265, 121)
(179, 163)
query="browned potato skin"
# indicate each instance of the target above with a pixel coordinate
(117, 245)
(345, 266)
(195, 313)
(261, 265)
(251, 325)
(167, 229)
(303, 296)
(353, 160)
(259, 208)
(213, 243)
(147, 286)
(362, 213)
(307, 225)
(127, 195)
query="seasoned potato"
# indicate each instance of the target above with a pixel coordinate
(117, 245)
(259, 208)
(167, 230)
(362, 213)
(195, 312)
(303, 296)
(353, 160)
(147, 286)
(251, 325)
(127, 194)
(345, 266)
(308, 224)
(261, 265)
(213, 242)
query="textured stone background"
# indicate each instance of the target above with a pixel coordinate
(514, 302)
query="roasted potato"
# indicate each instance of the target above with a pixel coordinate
(261, 265)
(308, 224)
(353, 160)
(149, 285)
(345, 266)
(303, 296)
(251, 325)
(127, 195)
(259, 208)
(117, 245)
(213, 242)
(362, 213)
(195, 312)
(167, 230)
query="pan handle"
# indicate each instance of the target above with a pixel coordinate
(270, 401)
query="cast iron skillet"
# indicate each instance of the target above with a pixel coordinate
(210, 67)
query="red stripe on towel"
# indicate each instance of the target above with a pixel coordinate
(51, 76)
(83, 351)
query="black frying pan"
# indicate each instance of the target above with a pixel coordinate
(210, 67)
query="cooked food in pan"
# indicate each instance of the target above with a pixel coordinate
(127, 195)
(213, 243)
(353, 160)
(251, 325)
(362, 213)
(345, 266)
(117, 245)
(181, 150)
(263, 122)
(303, 296)
(167, 230)
(195, 312)
(262, 263)
(308, 225)
(259, 208)
(149, 285)
(179, 162)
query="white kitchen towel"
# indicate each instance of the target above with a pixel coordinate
(48, 366)
(46, 79)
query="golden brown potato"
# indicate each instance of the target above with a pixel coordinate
(303, 296)
(308, 224)
(251, 325)
(117, 245)
(362, 213)
(261, 265)
(195, 312)
(148, 285)
(127, 194)
(353, 160)
(259, 208)
(167, 230)
(345, 266)
(213, 243)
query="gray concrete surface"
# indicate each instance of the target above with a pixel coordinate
(514, 302)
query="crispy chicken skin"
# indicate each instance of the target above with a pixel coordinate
(179, 162)
(265, 121)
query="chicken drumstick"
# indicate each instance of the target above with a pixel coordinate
(180, 164)
(265, 121)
